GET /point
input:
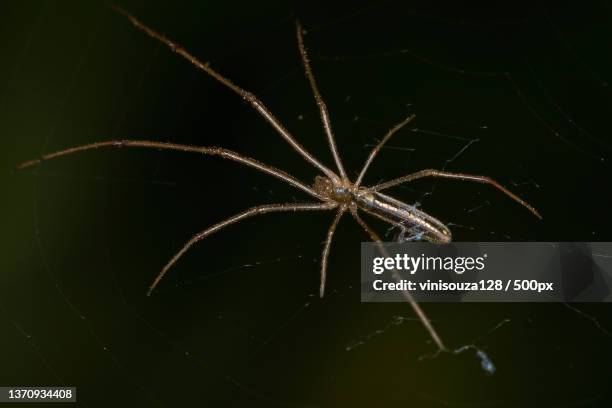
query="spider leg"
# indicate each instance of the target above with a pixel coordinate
(263, 209)
(211, 151)
(327, 247)
(457, 176)
(415, 306)
(247, 96)
(318, 99)
(379, 146)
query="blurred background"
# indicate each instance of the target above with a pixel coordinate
(516, 91)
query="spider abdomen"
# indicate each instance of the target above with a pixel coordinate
(406, 216)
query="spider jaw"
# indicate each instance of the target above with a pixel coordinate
(323, 186)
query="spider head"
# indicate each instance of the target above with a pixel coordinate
(336, 191)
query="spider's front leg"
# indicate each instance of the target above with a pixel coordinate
(259, 210)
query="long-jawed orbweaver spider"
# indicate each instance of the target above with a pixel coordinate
(334, 190)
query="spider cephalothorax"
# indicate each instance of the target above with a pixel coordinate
(339, 191)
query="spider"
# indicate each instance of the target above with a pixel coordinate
(334, 190)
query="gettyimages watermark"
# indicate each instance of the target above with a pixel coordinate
(487, 272)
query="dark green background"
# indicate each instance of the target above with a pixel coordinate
(84, 236)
